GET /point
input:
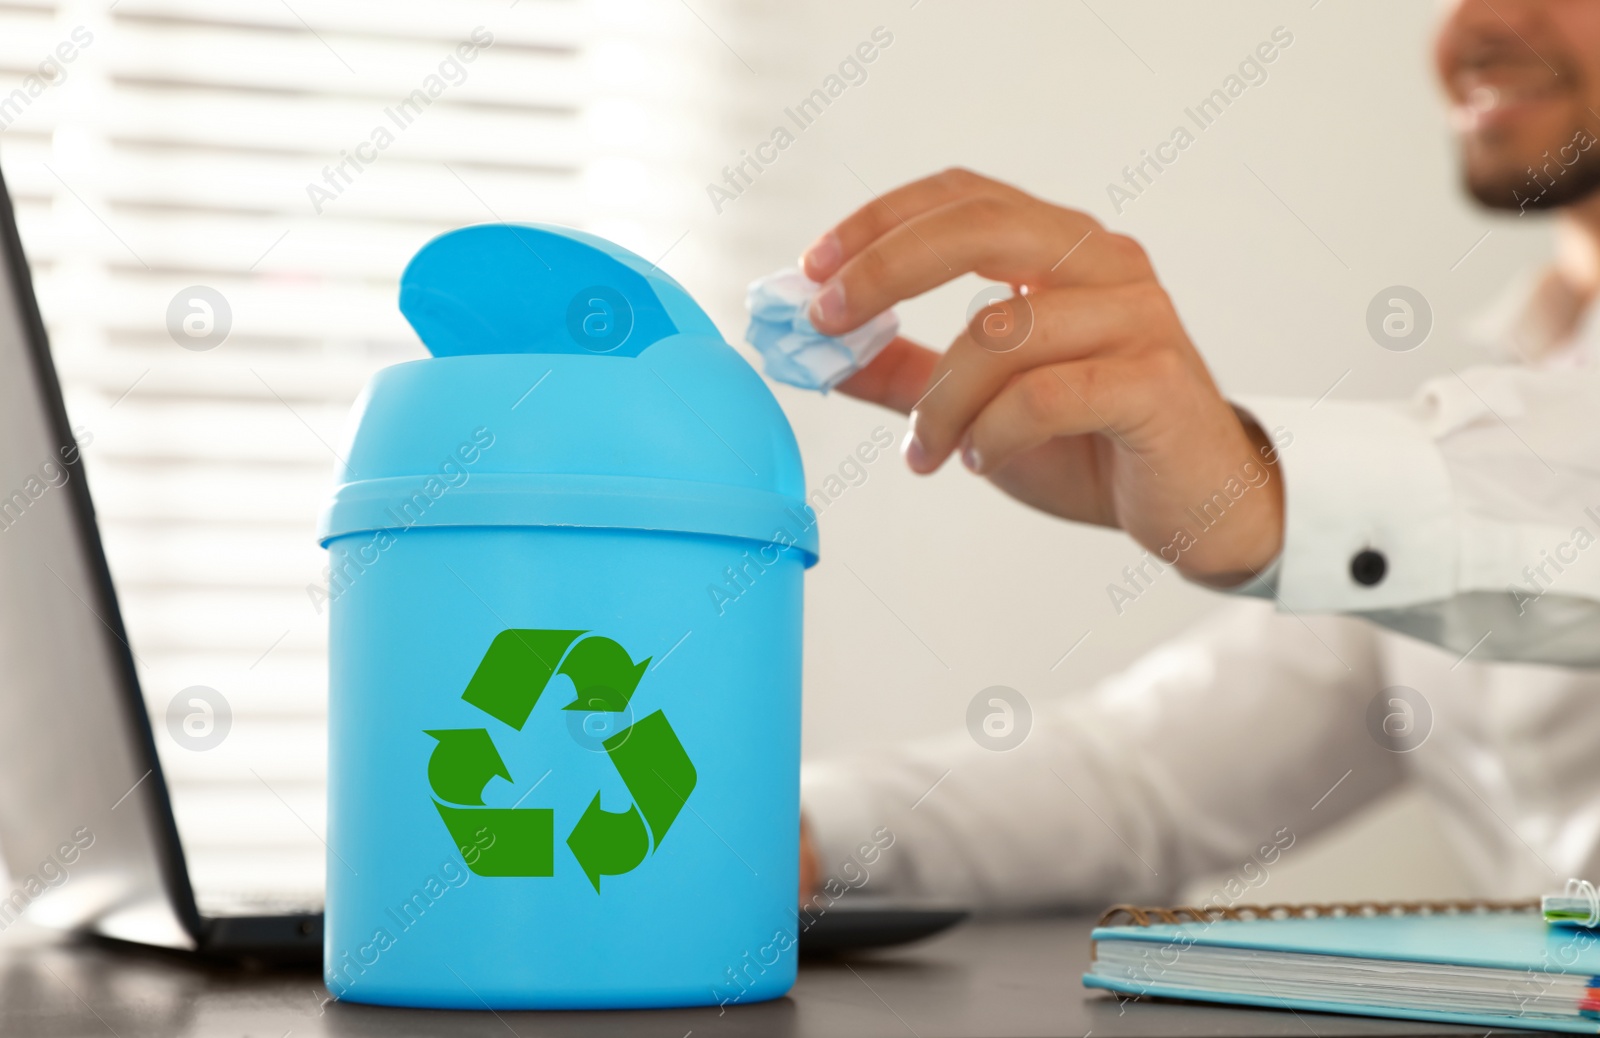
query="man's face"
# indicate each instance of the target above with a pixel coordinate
(1523, 80)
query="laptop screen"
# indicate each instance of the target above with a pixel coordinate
(85, 829)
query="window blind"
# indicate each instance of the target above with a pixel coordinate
(220, 163)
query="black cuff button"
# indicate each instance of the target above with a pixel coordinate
(1368, 567)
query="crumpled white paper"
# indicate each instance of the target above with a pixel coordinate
(794, 352)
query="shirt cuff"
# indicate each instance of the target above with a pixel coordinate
(1369, 514)
(843, 819)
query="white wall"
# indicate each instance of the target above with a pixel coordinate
(1348, 133)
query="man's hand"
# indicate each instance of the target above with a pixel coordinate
(809, 880)
(1104, 413)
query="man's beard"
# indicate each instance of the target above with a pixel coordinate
(1525, 190)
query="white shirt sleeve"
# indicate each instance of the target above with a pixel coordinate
(1216, 752)
(1464, 516)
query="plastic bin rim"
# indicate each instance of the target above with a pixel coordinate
(573, 500)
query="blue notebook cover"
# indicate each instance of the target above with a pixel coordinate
(1532, 953)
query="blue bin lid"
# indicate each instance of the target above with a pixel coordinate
(571, 384)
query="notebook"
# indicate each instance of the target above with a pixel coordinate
(1495, 964)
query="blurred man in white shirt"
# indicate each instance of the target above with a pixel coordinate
(1464, 518)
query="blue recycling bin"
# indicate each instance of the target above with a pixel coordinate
(564, 596)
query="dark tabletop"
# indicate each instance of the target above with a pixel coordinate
(986, 978)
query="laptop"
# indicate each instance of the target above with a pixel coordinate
(86, 822)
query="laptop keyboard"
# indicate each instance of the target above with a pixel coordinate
(232, 904)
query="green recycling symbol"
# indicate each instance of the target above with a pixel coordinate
(510, 678)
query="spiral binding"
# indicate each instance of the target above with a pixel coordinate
(1584, 889)
(1148, 916)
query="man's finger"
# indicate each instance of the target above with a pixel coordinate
(1063, 476)
(896, 378)
(1063, 324)
(1067, 399)
(1017, 241)
(888, 211)
(1001, 239)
